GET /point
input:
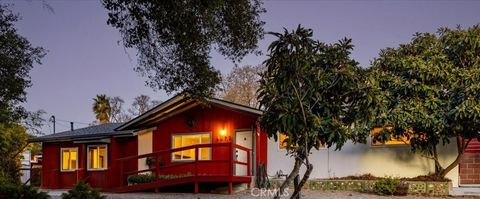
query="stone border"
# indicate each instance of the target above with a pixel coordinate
(430, 188)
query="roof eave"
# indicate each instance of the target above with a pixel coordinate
(79, 137)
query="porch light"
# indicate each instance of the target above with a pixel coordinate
(223, 132)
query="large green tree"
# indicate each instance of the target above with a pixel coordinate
(13, 140)
(430, 92)
(315, 94)
(174, 38)
(17, 57)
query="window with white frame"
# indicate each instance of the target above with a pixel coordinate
(69, 159)
(184, 140)
(97, 157)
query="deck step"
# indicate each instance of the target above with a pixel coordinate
(236, 188)
(186, 180)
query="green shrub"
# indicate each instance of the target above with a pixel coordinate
(82, 190)
(10, 190)
(402, 189)
(386, 186)
(141, 178)
(174, 176)
(150, 161)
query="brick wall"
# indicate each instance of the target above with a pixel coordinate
(470, 168)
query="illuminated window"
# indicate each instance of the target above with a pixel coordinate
(393, 141)
(282, 140)
(189, 140)
(69, 157)
(97, 157)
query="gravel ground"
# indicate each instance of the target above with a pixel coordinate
(306, 194)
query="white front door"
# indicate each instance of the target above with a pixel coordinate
(245, 139)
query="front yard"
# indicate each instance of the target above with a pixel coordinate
(306, 194)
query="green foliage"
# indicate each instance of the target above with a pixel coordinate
(386, 186)
(149, 161)
(312, 91)
(146, 178)
(17, 57)
(141, 178)
(315, 94)
(101, 108)
(429, 90)
(174, 176)
(174, 38)
(10, 190)
(82, 190)
(13, 140)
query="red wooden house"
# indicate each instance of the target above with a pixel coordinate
(180, 142)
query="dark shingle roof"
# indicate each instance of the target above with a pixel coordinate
(87, 132)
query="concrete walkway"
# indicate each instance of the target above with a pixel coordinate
(465, 191)
(55, 192)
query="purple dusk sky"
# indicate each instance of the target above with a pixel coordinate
(85, 57)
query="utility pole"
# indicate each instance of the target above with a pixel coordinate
(52, 119)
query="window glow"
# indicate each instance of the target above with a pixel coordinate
(69, 158)
(189, 140)
(97, 157)
(393, 141)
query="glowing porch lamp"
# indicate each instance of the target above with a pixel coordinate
(223, 135)
(223, 132)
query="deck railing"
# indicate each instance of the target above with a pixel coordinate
(196, 165)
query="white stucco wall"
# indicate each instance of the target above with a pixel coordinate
(144, 146)
(25, 167)
(358, 159)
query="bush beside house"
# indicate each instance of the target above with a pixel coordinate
(82, 190)
(10, 190)
(381, 186)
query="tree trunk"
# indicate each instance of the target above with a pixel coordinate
(302, 183)
(293, 173)
(295, 185)
(461, 146)
(438, 166)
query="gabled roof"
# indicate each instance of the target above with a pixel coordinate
(102, 130)
(176, 105)
(165, 110)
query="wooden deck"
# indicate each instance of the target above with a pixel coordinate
(216, 169)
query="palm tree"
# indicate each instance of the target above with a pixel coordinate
(102, 109)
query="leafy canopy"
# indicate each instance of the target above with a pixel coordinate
(17, 57)
(315, 94)
(321, 80)
(13, 139)
(430, 90)
(174, 38)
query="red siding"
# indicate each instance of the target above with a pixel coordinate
(207, 119)
(53, 178)
(262, 140)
